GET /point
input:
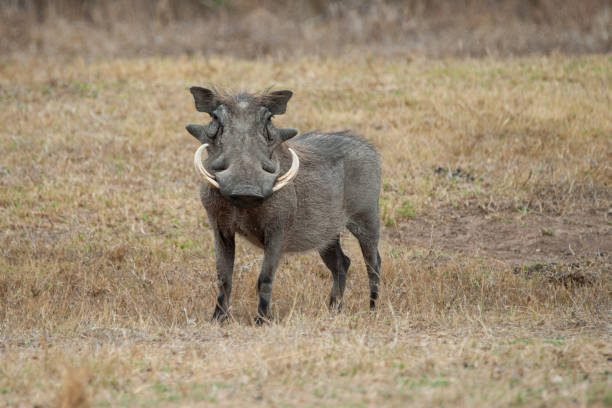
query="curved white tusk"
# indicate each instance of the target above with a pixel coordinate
(288, 177)
(206, 176)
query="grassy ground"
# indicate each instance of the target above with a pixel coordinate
(496, 278)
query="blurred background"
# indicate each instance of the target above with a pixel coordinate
(250, 29)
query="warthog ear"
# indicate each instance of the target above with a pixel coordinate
(276, 101)
(199, 132)
(205, 99)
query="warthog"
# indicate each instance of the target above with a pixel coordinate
(283, 197)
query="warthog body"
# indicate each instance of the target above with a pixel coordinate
(337, 186)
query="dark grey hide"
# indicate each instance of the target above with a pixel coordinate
(337, 186)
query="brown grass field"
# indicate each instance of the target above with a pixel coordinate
(256, 28)
(496, 278)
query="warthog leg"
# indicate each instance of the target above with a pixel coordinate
(372, 260)
(338, 264)
(224, 252)
(366, 229)
(272, 252)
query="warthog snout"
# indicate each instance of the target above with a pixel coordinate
(245, 183)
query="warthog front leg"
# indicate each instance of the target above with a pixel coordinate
(272, 253)
(224, 251)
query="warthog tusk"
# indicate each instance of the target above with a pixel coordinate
(206, 176)
(288, 177)
(281, 182)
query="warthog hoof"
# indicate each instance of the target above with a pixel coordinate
(219, 315)
(260, 320)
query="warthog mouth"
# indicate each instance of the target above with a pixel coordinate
(281, 182)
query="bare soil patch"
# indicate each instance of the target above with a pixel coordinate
(510, 237)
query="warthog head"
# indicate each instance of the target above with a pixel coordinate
(240, 141)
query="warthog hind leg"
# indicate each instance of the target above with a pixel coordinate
(338, 264)
(366, 230)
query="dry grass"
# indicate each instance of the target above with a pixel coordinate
(106, 257)
(247, 28)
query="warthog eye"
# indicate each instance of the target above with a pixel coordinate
(214, 128)
(267, 135)
(266, 129)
